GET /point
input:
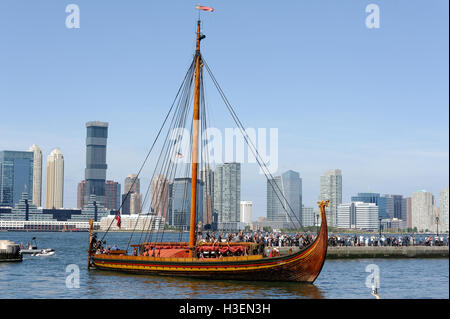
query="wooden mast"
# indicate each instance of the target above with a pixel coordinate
(195, 143)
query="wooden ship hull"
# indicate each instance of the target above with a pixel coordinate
(302, 266)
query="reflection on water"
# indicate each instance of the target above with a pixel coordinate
(193, 288)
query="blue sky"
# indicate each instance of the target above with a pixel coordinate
(372, 102)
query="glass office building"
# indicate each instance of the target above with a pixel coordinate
(180, 203)
(95, 173)
(16, 176)
(284, 193)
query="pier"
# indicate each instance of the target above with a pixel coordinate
(9, 251)
(355, 252)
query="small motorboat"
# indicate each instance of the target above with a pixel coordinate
(45, 252)
(32, 249)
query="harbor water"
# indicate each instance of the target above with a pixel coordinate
(65, 275)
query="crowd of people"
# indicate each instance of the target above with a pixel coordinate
(266, 239)
(386, 240)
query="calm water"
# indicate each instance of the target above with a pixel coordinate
(45, 277)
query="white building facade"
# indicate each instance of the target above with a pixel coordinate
(37, 175)
(331, 189)
(246, 212)
(55, 180)
(423, 211)
(358, 215)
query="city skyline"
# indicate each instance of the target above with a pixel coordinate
(374, 73)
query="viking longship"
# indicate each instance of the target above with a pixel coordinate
(241, 260)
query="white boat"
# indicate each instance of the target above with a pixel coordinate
(32, 249)
(45, 252)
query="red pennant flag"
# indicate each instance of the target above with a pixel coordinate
(209, 9)
(119, 220)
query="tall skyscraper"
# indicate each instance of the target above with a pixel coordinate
(444, 209)
(180, 203)
(95, 173)
(406, 211)
(132, 202)
(398, 206)
(246, 212)
(207, 176)
(422, 210)
(16, 176)
(54, 191)
(331, 189)
(284, 193)
(309, 217)
(37, 175)
(160, 196)
(81, 190)
(112, 194)
(227, 192)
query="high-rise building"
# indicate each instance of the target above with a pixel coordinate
(207, 176)
(246, 212)
(37, 175)
(398, 203)
(331, 189)
(284, 198)
(227, 192)
(81, 190)
(132, 202)
(444, 209)
(358, 215)
(406, 211)
(112, 194)
(422, 210)
(160, 196)
(95, 173)
(180, 203)
(16, 176)
(390, 207)
(54, 191)
(308, 217)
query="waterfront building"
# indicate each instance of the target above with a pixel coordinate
(54, 191)
(112, 194)
(246, 212)
(398, 206)
(331, 189)
(81, 189)
(227, 195)
(376, 199)
(95, 173)
(358, 215)
(207, 176)
(422, 211)
(160, 196)
(16, 176)
(393, 224)
(308, 217)
(132, 202)
(92, 210)
(407, 212)
(37, 175)
(180, 203)
(133, 223)
(444, 209)
(389, 205)
(284, 193)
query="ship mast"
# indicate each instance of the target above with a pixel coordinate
(195, 125)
